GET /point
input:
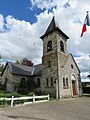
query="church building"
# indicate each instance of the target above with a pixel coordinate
(58, 75)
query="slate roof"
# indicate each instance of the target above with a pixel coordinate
(37, 70)
(23, 70)
(53, 27)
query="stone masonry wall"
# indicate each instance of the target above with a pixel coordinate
(13, 81)
(51, 56)
(65, 71)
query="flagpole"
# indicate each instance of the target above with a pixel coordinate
(89, 71)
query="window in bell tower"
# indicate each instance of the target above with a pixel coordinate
(49, 63)
(49, 46)
(61, 46)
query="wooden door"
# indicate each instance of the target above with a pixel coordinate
(73, 88)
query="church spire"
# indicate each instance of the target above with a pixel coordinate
(53, 27)
(50, 28)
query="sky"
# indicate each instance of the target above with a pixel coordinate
(22, 22)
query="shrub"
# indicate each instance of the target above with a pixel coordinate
(31, 94)
(15, 94)
(3, 102)
(2, 94)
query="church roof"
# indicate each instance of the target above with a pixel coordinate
(23, 70)
(37, 70)
(53, 27)
(20, 69)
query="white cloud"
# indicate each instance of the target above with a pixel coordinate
(1, 21)
(70, 19)
(22, 40)
(47, 4)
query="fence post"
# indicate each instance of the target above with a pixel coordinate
(12, 101)
(33, 98)
(48, 97)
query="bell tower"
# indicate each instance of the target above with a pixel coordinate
(54, 44)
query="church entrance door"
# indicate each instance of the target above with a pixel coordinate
(74, 87)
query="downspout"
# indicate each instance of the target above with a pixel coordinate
(57, 70)
(58, 78)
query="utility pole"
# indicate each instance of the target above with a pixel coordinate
(56, 88)
(89, 70)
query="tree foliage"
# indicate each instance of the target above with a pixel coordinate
(17, 62)
(1, 65)
(0, 57)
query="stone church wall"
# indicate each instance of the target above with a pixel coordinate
(65, 71)
(49, 71)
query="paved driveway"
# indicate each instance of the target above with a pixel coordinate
(67, 109)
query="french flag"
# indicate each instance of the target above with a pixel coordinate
(86, 22)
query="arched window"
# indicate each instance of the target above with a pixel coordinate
(5, 84)
(71, 66)
(49, 63)
(49, 46)
(6, 80)
(38, 82)
(61, 46)
(47, 82)
(23, 86)
(51, 80)
(23, 82)
(66, 82)
(63, 82)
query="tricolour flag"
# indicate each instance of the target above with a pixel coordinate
(86, 22)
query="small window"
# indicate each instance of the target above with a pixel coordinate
(66, 82)
(38, 82)
(51, 81)
(49, 63)
(6, 80)
(23, 81)
(49, 46)
(63, 82)
(61, 46)
(72, 66)
(5, 84)
(47, 82)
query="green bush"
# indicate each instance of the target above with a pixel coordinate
(15, 94)
(2, 94)
(3, 102)
(31, 94)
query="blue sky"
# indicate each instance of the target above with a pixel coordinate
(20, 9)
(22, 22)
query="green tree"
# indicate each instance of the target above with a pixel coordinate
(0, 57)
(1, 66)
(17, 62)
